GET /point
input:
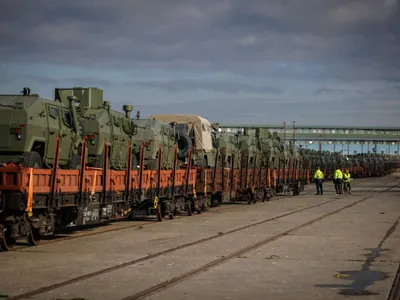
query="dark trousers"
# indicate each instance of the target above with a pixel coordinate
(338, 186)
(347, 187)
(320, 189)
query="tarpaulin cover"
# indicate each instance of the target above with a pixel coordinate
(201, 128)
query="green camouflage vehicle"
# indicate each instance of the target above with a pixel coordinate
(249, 147)
(270, 147)
(102, 126)
(194, 131)
(154, 134)
(29, 126)
(228, 145)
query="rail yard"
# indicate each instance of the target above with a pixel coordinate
(83, 186)
(329, 247)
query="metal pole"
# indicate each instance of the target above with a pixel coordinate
(319, 143)
(284, 132)
(398, 148)
(294, 131)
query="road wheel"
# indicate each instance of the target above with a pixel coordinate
(32, 160)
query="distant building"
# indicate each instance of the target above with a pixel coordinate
(347, 139)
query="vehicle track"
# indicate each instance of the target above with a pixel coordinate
(79, 234)
(184, 276)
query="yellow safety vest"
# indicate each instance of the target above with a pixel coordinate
(338, 174)
(346, 177)
(318, 174)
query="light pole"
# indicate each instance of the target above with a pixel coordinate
(398, 148)
(284, 132)
(294, 132)
(319, 143)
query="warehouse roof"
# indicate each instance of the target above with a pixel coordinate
(289, 125)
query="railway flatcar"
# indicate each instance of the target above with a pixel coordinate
(206, 168)
(34, 202)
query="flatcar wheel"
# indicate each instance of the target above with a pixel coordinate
(197, 206)
(6, 242)
(248, 199)
(33, 237)
(199, 209)
(189, 208)
(159, 213)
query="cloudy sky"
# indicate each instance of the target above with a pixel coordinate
(317, 62)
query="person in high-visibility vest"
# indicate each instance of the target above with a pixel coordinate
(346, 182)
(338, 180)
(319, 180)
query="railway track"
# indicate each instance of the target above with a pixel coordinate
(165, 284)
(82, 234)
(77, 234)
(394, 293)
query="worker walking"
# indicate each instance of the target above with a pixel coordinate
(338, 180)
(319, 180)
(346, 182)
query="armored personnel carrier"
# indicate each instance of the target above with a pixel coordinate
(211, 148)
(249, 147)
(29, 126)
(101, 126)
(270, 147)
(155, 135)
(193, 131)
(228, 145)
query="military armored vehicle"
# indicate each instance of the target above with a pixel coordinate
(249, 148)
(102, 126)
(270, 146)
(228, 145)
(29, 126)
(193, 131)
(155, 134)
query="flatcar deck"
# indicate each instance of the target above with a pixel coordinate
(305, 247)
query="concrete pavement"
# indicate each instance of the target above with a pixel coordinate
(356, 251)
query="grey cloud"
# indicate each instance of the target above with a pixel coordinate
(326, 49)
(388, 90)
(336, 90)
(272, 111)
(64, 82)
(228, 87)
(360, 36)
(216, 86)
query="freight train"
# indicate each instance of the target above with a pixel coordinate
(75, 161)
